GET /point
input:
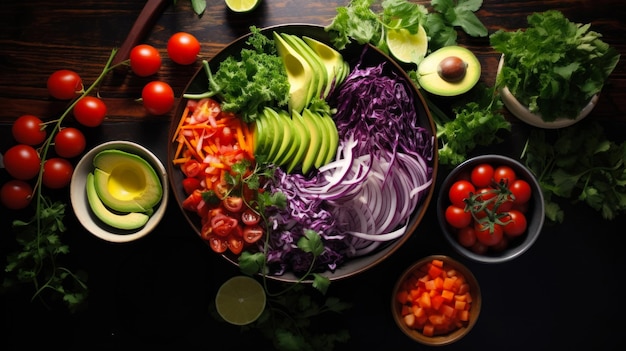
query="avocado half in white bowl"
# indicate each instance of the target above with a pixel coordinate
(119, 191)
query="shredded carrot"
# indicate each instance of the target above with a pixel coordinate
(183, 118)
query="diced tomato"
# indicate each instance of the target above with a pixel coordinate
(192, 168)
(190, 184)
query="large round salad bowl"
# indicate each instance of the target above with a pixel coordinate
(352, 54)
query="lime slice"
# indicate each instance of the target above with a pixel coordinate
(242, 5)
(240, 300)
(407, 47)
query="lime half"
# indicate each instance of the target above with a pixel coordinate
(240, 300)
(242, 5)
(407, 47)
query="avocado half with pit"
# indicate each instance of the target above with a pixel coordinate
(449, 71)
(126, 182)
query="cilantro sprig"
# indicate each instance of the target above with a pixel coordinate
(578, 164)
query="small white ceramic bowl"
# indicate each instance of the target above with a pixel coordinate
(82, 209)
(523, 113)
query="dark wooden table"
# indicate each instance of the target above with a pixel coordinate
(564, 292)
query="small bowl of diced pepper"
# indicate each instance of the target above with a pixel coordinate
(436, 301)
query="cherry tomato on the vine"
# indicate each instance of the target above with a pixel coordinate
(183, 48)
(521, 190)
(22, 162)
(69, 142)
(504, 173)
(457, 217)
(90, 111)
(64, 84)
(467, 236)
(517, 225)
(29, 130)
(57, 173)
(482, 175)
(16, 194)
(145, 60)
(486, 235)
(158, 97)
(459, 191)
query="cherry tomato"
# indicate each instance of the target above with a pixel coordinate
(183, 48)
(457, 217)
(90, 111)
(29, 130)
(57, 173)
(220, 189)
(479, 248)
(466, 236)
(501, 245)
(217, 243)
(145, 60)
(504, 174)
(486, 236)
(233, 203)
(16, 194)
(223, 225)
(250, 217)
(192, 201)
(517, 223)
(22, 162)
(64, 84)
(235, 244)
(459, 191)
(521, 190)
(191, 184)
(158, 97)
(482, 175)
(69, 142)
(252, 234)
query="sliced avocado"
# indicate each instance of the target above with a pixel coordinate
(257, 132)
(332, 59)
(333, 134)
(302, 134)
(127, 221)
(316, 144)
(324, 136)
(273, 124)
(299, 74)
(449, 71)
(290, 140)
(319, 69)
(126, 182)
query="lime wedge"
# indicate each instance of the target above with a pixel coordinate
(242, 5)
(407, 47)
(240, 300)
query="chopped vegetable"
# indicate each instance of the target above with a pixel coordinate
(435, 299)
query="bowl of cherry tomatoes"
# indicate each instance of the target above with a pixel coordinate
(491, 208)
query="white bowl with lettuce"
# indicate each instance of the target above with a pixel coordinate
(550, 74)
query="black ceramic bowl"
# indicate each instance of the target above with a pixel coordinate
(534, 211)
(352, 53)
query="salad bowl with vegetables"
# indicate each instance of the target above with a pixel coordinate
(298, 161)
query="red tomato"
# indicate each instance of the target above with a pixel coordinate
(252, 234)
(145, 60)
(482, 175)
(64, 84)
(223, 225)
(233, 203)
(16, 194)
(217, 243)
(22, 162)
(459, 191)
(521, 190)
(502, 245)
(504, 173)
(220, 189)
(467, 236)
(183, 48)
(192, 168)
(191, 184)
(479, 248)
(192, 201)
(250, 217)
(457, 217)
(29, 130)
(57, 173)
(486, 236)
(517, 223)
(157, 97)
(90, 111)
(235, 244)
(69, 142)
